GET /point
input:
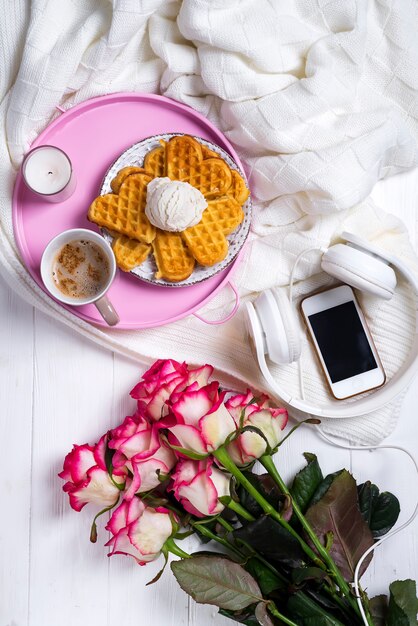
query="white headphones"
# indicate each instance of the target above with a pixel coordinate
(273, 329)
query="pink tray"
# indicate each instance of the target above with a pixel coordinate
(94, 134)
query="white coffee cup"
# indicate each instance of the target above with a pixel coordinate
(100, 300)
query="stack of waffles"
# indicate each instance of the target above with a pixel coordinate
(122, 212)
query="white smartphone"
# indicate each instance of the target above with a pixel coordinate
(343, 342)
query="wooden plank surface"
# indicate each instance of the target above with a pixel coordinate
(57, 389)
(16, 411)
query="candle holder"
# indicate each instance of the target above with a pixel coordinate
(48, 172)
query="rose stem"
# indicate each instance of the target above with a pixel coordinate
(273, 610)
(210, 535)
(269, 465)
(239, 509)
(258, 556)
(254, 553)
(93, 529)
(222, 455)
(174, 549)
(225, 524)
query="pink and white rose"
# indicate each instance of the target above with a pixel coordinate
(165, 378)
(139, 531)
(198, 485)
(87, 478)
(248, 410)
(202, 422)
(139, 448)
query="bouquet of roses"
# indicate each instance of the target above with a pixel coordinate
(183, 464)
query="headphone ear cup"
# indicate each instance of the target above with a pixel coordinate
(360, 270)
(255, 332)
(288, 317)
(282, 343)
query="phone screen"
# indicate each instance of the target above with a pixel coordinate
(342, 341)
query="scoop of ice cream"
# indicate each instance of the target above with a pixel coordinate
(173, 205)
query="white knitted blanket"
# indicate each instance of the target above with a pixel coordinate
(319, 98)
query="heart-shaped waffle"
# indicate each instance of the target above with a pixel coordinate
(123, 175)
(129, 253)
(174, 261)
(238, 189)
(125, 212)
(206, 241)
(155, 161)
(185, 162)
(177, 255)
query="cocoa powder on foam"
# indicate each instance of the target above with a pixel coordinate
(80, 269)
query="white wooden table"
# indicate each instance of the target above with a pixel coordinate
(57, 389)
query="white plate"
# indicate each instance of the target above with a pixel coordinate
(134, 156)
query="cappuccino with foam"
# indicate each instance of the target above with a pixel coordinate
(80, 269)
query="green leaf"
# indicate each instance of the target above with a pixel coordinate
(93, 529)
(267, 537)
(160, 573)
(323, 487)
(269, 489)
(218, 581)
(243, 617)
(306, 482)
(378, 607)
(338, 512)
(266, 485)
(108, 459)
(403, 603)
(267, 579)
(367, 497)
(327, 602)
(109, 466)
(385, 514)
(379, 510)
(303, 574)
(305, 612)
(162, 477)
(93, 532)
(261, 614)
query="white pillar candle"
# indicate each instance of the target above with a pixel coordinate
(47, 171)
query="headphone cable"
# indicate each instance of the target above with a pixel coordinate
(349, 447)
(389, 534)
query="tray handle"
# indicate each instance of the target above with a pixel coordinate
(230, 315)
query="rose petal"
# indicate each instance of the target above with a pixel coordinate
(186, 470)
(98, 489)
(100, 452)
(187, 437)
(216, 426)
(121, 544)
(270, 426)
(253, 446)
(200, 375)
(125, 514)
(195, 404)
(78, 462)
(149, 533)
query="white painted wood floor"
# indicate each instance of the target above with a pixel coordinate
(55, 390)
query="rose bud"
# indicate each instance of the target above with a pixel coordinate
(202, 421)
(139, 531)
(87, 477)
(139, 448)
(164, 378)
(197, 485)
(270, 421)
